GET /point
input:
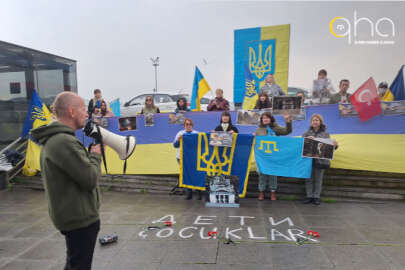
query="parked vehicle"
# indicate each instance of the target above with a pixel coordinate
(135, 105)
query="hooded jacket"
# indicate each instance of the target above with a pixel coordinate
(70, 175)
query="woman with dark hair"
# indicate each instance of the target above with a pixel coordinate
(149, 106)
(269, 127)
(181, 105)
(226, 124)
(263, 102)
(103, 111)
(313, 185)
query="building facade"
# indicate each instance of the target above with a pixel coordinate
(23, 70)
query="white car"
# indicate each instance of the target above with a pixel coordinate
(134, 106)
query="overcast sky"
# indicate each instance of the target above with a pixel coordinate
(113, 41)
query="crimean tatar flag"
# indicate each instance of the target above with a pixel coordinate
(251, 96)
(37, 115)
(200, 88)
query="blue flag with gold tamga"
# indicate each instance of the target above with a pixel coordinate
(199, 159)
(282, 156)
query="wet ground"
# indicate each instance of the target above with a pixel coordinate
(353, 235)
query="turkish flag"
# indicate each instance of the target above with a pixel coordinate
(366, 101)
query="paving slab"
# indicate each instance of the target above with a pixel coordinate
(358, 235)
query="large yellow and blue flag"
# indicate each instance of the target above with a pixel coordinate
(200, 88)
(265, 50)
(397, 88)
(251, 96)
(37, 115)
(199, 159)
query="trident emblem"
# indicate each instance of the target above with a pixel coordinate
(260, 65)
(217, 163)
(38, 113)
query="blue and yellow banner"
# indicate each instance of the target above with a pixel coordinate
(251, 95)
(200, 88)
(375, 145)
(199, 159)
(37, 115)
(282, 156)
(397, 88)
(265, 50)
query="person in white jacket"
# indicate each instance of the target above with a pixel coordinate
(188, 129)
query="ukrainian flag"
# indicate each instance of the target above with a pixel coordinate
(37, 115)
(251, 96)
(200, 88)
(397, 88)
(265, 50)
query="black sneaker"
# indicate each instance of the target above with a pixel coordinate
(308, 200)
(317, 201)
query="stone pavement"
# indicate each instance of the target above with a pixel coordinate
(353, 235)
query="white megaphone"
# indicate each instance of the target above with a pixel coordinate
(123, 145)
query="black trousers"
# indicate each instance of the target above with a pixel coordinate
(80, 245)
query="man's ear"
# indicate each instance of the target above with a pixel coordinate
(71, 112)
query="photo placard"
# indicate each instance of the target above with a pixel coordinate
(318, 148)
(286, 105)
(221, 138)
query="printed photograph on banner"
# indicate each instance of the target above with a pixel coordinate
(101, 121)
(393, 107)
(127, 123)
(347, 110)
(149, 119)
(177, 118)
(222, 191)
(301, 116)
(248, 118)
(318, 148)
(286, 105)
(221, 138)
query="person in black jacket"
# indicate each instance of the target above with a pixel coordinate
(263, 102)
(226, 124)
(181, 105)
(94, 103)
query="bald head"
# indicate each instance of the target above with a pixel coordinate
(64, 102)
(70, 109)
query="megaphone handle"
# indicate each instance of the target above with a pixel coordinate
(125, 162)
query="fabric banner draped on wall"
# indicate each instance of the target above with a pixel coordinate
(375, 145)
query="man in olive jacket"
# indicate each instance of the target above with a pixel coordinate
(70, 175)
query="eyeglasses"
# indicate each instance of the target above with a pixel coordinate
(148, 99)
(188, 124)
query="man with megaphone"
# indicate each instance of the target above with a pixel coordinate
(70, 174)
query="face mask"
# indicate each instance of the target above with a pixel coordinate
(381, 91)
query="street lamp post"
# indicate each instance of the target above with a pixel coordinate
(155, 63)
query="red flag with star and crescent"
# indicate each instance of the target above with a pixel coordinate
(366, 101)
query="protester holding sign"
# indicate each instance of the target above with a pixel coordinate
(313, 185)
(188, 129)
(94, 102)
(149, 106)
(226, 124)
(263, 102)
(103, 111)
(268, 126)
